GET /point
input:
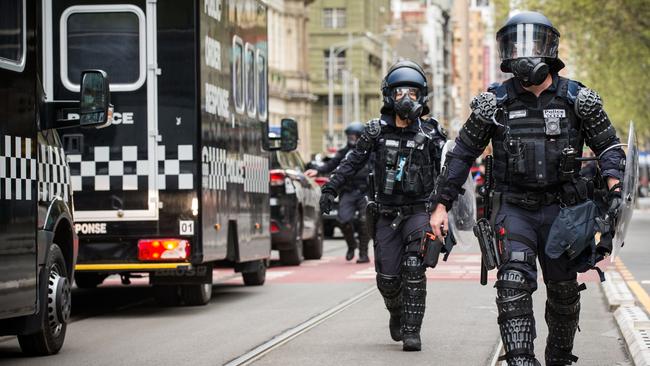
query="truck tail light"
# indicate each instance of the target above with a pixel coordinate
(274, 227)
(163, 249)
(321, 180)
(277, 177)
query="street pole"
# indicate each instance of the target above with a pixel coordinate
(355, 88)
(330, 102)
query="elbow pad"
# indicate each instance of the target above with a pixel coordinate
(478, 129)
(598, 129)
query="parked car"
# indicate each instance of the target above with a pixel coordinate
(296, 224)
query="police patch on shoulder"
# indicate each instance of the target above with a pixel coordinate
(517, 114)
(554, 113)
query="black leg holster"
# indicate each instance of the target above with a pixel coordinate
(348, 235)
(390, 288)
(415, 293)
(516, 320)
(562, 315)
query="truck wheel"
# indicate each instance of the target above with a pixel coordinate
(314, 246)
(167, 295)
(88, 280)
(293, 256)
(55, 306)
(256, 278)
(196, 294)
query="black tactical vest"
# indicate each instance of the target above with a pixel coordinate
(405, 170)
(529, 147)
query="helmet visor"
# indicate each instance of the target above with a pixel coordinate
(527, 40)
(401, 92)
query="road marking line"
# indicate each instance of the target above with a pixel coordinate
(286, 336)
(494, 361)
(634, 286)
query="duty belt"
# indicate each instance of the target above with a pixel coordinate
(398, 213)
(404, 210)
(531, 200)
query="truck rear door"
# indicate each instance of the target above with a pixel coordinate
(113, 173)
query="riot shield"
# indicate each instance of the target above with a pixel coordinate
(628, 192)
(462, 216)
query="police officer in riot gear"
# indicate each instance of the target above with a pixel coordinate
(538, 123)
(407, 150)
(353, 196)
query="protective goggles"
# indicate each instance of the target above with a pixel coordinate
(400, 92)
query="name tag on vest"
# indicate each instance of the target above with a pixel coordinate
(554, 113)
(392, 143)
(517, 114)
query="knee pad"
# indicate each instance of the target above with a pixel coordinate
(514, 298)
(564, 295)
(389, 286)
(413, 268)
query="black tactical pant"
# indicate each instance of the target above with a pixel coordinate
(400, 271)
(522, 234)
(351, 202)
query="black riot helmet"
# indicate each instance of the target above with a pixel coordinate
(353, 132)
(528, 47)
(355, 128)
(405, 91)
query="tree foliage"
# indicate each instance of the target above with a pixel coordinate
(609, 46)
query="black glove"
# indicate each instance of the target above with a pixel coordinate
(326, 202)
(615, 203)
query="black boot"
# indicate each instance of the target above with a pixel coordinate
(516, 320)
(562, 315)
(348, 235)
(414, 301)
(390, 288)
(364, 238)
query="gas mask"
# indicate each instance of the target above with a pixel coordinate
(406, 103)
(352, 140)
(529, 71)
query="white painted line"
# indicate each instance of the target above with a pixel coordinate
(494, 361)
(294, 332)
(645, 282)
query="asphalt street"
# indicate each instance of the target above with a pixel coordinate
(634, 257)
(321, 313)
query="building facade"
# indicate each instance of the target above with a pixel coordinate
(427, 39)
(353, 32)
(289, 83)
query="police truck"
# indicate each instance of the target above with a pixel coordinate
(38, 244)
(180, 185)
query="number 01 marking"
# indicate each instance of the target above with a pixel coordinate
(186, 227)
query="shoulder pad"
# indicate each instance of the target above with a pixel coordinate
(573, 88)
(373, 128)
(587, 103)
(484, 106)
(438, 128)
(500, 91)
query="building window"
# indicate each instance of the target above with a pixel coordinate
(119, 29)
(334, 18)
(238, 73)
(12, 35)
(249, 64)
(339, 64)
(262, 81)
